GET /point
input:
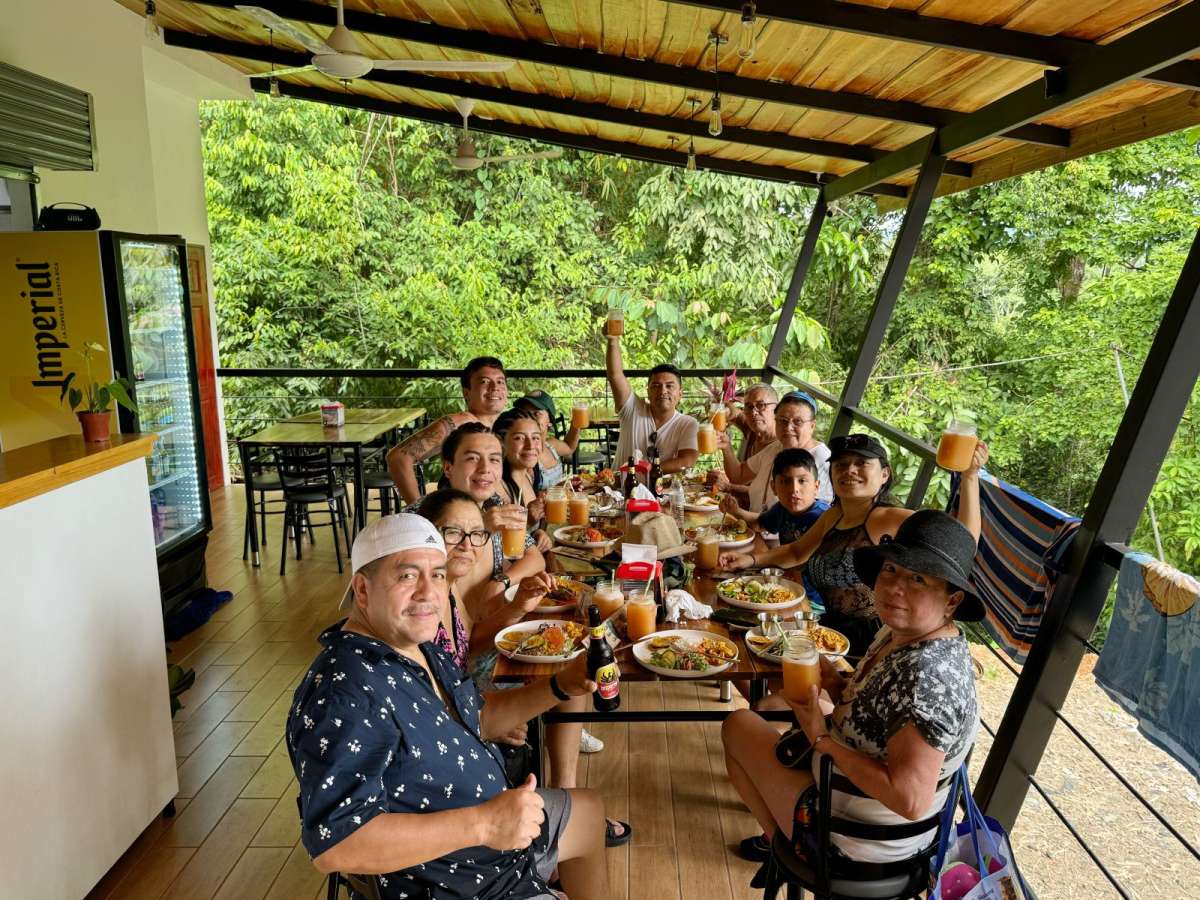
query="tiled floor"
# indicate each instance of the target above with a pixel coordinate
(235, 834)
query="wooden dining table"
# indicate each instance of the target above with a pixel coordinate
(393, 418)
(351, 436)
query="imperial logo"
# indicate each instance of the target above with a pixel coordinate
(43, 309)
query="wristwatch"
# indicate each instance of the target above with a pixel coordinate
(503, 579)
(556, 690)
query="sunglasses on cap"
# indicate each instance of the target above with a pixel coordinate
(862, 444)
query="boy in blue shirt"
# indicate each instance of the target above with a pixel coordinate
(795, 481)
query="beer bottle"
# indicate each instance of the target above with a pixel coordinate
(655, 476)
(602, 665)
(630, 479)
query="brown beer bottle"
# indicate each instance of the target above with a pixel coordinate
(602, 666)
(630, 479)
(654, 478)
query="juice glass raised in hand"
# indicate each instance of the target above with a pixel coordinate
(578, 508)
(616, 322)
(706, 438)
(640, 613)
(512, 542)
(581, 416)
(801, 668)
(556, 506)
(957, 446)
(719, 418)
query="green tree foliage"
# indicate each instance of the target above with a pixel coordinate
(348, 240)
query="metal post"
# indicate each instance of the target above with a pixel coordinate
(920, 486)
(803, 262)
(1159, 399)
(889, 288)
(1125, 399)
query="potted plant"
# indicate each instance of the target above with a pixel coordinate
(95, 416)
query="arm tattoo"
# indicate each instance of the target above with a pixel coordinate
(428, 441)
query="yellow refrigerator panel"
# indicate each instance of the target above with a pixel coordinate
(51, 304)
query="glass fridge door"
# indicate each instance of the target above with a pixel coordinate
(156, 305)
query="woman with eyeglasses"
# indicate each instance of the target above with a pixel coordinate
(795, 418)
(456, 515)
(863, 514)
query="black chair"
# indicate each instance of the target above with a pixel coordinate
(581, 456)
(307, 477)
(263, 481)
(390, 500)
(900, 880)
(365, 886)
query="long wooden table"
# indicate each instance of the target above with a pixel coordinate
(392, 418)
(351, 436)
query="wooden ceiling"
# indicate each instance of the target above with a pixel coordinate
(832, 87)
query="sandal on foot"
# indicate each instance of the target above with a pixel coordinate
(611, 838)
(755, 849)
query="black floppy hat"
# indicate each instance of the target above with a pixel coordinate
(932, 543)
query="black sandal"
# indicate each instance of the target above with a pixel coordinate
(611, 838)
(755, 849)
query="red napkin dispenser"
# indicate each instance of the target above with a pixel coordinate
(633, 506)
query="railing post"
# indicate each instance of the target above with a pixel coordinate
(803, 262)
(920, 199)
(916, 494)
(1143, 438)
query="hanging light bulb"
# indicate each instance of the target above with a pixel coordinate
(714, 116)
(153, 32)
(745, 48)
(691, 163)
(275, 92)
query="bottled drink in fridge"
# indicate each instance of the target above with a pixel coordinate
(602, 665)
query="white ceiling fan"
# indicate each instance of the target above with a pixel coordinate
(341, 56)
(468, 160)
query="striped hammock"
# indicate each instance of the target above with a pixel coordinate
(1021, 547)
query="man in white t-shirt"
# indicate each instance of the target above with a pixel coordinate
(640, 418)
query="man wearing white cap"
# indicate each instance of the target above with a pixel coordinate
(390, 744)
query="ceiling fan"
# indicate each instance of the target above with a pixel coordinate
(341, 56)
(468, 160)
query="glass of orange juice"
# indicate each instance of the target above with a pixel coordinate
(616, 322)
(706, 438)
(512, 542)
(578, 507)
(608, 598)
(708, 549)
(581, 416)
(556, 506)
(640, 613)
(719, 417)
(957, 446)
(801, 668)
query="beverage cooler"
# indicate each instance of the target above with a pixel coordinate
(128, 292)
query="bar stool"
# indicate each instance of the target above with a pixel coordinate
(308, 478)
(390, 500)
(262, 482)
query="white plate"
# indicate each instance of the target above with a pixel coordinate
(797, 589)
(728, 544)
(568, 541)
(756, 631)
(526, 628)
(703, 507)
(585, 591)
(642, 651)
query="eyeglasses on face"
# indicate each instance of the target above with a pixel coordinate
(760, 406)
(454, 536)
(785, 422)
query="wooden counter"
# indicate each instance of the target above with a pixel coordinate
(38, 468)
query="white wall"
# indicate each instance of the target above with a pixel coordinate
(149, 175)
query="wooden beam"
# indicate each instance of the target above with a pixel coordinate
(559, 138)
(589, 60)
(1164, 41)
(599, 112)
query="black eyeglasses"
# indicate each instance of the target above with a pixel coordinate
(760, 406)
(850, 442)
(454, 536)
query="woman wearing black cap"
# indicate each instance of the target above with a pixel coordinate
(863, 513)
(902, 723)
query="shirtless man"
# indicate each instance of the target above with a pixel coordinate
(485, 392)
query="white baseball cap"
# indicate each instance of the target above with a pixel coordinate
(388, 535)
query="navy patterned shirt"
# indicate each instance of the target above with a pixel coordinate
(368, 734)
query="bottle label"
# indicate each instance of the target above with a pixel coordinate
(608, 681)
(598, 632)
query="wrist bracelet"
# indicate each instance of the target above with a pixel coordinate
(556, 690)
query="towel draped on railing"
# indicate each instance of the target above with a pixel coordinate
(1022, 545)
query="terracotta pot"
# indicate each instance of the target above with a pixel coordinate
(95, 426)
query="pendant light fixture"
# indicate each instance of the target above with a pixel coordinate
(153, 32)
(714, 108)
(273, 82)
(745, 46)
(691, 160)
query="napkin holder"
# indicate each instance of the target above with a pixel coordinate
(333, 415)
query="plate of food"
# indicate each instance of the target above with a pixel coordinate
(829, 642)
(701, 500)
(589, 537)
(566, 595)
(542, 641)
(734, 533)
(593, 481)
(685, 653)
(749, 592)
